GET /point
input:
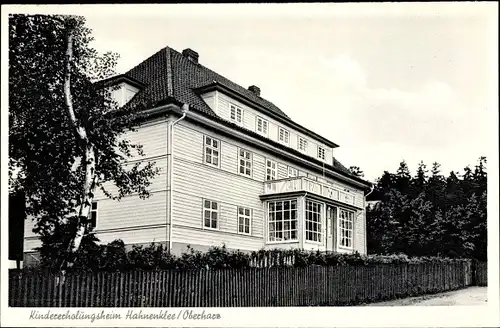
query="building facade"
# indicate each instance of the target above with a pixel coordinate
(235, 169)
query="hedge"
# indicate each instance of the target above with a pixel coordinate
(115, 257)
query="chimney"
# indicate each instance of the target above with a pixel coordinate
(191, 55)
(255, 90)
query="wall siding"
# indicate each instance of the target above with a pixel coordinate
(209, 99)
(208, 238)
(194, 180)
(140, 235)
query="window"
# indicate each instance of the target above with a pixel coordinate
(212, 154)
(262, 125)
(245, 166)
(292, 172)
(270, 170)
(345, 228)
(236, 114)
(210, 214)
(244, 220)
(321, 153)
(302, 144)
(283, 135)
(282, 220)
(313, 221)
(92, 217)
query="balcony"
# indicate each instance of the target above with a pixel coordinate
(304, 184)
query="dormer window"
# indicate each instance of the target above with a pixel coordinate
(283, 136)
(262, 125)
(302, 144)
(236, 114)
(123, 88)
(321, 153)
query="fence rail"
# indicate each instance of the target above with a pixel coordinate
(275, 286)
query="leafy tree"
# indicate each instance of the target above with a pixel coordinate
(64, 130)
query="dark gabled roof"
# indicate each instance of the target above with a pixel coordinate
(170, 76)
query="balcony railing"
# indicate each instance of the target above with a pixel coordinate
(310, 186)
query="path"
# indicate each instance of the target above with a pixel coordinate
(468, 296)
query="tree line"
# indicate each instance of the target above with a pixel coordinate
(429, 214)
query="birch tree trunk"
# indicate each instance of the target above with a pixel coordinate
(89, 159)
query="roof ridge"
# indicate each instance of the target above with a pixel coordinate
(168, 58)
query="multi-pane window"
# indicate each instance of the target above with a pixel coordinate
(262, 125)
(313, 221)
(92, 217)
(321, 153)
(346, 219)
(302, 144)
(271, 170)
(212, 151)
(282, 220)
(236, 114)
(210, 214)
(245, 165)
(244, 220)
(292, 172)
(283, 135)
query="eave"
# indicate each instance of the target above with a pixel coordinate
(217, 86)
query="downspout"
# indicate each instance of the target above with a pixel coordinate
(185, 109)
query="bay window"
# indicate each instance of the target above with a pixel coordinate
(345, 226)
(313, 221)
(282, 220)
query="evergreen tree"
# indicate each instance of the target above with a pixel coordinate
(430, 216)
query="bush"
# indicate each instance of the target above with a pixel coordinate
(115, 257)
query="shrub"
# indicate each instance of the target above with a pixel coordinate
(115, 257)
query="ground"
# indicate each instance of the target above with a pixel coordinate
(467, 296)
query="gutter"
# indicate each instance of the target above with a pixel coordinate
(170, 167)
(249, 102)
(210, 122)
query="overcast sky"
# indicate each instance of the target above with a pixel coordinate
(386, 83)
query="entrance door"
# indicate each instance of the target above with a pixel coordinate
(331, 216)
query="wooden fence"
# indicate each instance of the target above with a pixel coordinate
(275, 286)
(481, 273)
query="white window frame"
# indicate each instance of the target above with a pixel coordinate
(243, 216)
(246, 161)
(321, 153)
(210, 210)
(318, 233)
(341, 224)
(292, 172)
(304, 143)
(212, 149)
(283, 230)
(264, 122)
(236, 109)
(285, 132)
(89, 223)
(272, 170)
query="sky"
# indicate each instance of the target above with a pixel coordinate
(386, 83)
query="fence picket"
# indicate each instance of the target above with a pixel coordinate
(256, 286)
